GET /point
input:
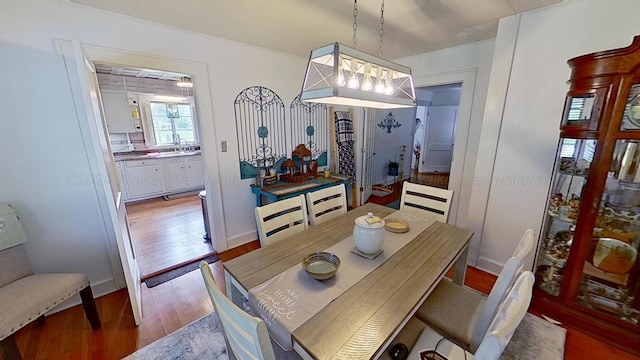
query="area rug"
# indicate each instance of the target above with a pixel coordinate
(534, 339)
(172, 274)
(202, 339)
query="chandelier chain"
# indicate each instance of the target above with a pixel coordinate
(355, 23)
(381, 25)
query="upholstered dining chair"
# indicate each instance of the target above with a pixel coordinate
(428, 201)
(509, 315)
(325, 204)
(25, 296)
(281, 219)
(246, 336)
(465, 314)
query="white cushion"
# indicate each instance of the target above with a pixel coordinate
(26, 299)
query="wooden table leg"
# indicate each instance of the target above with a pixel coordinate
(234, 292)
(461, 267)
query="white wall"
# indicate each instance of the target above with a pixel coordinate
(428, 69)
(43, 154)
(388, 146)
(45, 173)
(528, 128)
(449, 97)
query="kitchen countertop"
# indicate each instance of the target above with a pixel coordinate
(156, 155)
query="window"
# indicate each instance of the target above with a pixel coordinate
(169, 122)
(581, 149)
(172, 123)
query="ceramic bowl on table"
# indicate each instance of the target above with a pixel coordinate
(321, 265)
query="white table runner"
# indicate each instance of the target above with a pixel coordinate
(290, 299)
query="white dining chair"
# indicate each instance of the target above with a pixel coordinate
(280, 219)
(246, 336)
(509, 315)
(428, 201)
(465, 314)
(325, 204)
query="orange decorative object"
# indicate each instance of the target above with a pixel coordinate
(290, 165)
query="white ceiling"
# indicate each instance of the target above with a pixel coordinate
(138, 72)
(296, 26)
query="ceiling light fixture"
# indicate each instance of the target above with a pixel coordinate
(185, 82)
(170, 98)
(340, 75)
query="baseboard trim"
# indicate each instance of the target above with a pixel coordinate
(242, 239)
(489, 265)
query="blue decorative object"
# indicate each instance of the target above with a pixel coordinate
(263, 132)
(389, 122)
(310, 130)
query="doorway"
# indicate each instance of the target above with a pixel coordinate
(436, 124)
(153, 130)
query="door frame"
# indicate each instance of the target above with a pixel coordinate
(86, 93)
(367, 148)
(468, 79)
(204, 108)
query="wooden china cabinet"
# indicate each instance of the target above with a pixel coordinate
(587, 268)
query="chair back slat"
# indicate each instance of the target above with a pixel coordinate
(506, 279)
(428, 201)
(280, 219)
(326, 204)
(246, 336)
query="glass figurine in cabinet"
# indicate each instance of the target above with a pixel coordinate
(574, 159)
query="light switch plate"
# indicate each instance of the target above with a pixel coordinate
(223, 145)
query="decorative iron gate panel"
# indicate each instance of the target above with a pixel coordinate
(260, 126)
(310, 126)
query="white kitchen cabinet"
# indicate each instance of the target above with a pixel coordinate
(194, 172)
(144, 178)
(184, 173)
(117, 112)
(175, 174)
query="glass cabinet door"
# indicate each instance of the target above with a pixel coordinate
(631, 117)
(572, 167)
(610, 281)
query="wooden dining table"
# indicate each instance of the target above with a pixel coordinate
(361, 322)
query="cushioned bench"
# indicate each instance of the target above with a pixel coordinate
(25, 296)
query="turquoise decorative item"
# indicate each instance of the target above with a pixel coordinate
(263, 132)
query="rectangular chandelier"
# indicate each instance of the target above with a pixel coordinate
(340, 75)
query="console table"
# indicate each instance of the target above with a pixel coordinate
(283, 190)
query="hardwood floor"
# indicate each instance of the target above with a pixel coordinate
(174, 304)
(166, 233)
(440, 180)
